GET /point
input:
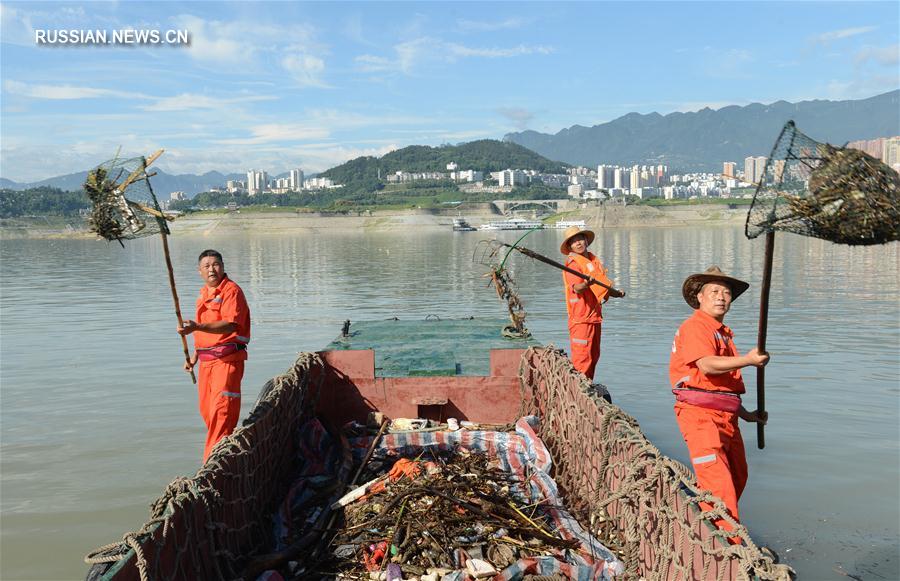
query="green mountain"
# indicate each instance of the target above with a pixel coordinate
(702, 140)
(486, 155)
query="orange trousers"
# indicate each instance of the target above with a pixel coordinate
(584, 339)
(717, 453)
(219, 388)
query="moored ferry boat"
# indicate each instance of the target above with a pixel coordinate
(512, 224)
(628, 511)
(460, 225)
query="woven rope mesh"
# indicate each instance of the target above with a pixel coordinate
(834, 193)
(123, 204)
(640, 503)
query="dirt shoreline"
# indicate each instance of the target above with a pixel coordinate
(607, 216)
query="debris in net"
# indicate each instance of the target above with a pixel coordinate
(504, 284)
(505, 287)
(852, 196)
(117, 217)
(815, 189)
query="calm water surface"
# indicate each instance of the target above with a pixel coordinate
(97, 416)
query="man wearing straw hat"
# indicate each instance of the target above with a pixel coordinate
(584, 300)
(704, 369)
(221, 333)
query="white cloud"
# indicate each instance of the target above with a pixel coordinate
(66, 92)
(305, 69)
(279, 133)
(483, 26)
(218, 42)
(887, 56)
(251, 44)
(412, 54)
(828, 37)
(187, 101)
(465, 51)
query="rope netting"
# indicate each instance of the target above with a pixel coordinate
(115, 216)
(207, 526)
(617, 484)
(636, 500)
(835, 193)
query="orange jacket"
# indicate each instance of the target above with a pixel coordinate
(698, 337)
(226, 302)
(585, 307)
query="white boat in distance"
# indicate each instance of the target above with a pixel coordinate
(512, 224)
(563, 224)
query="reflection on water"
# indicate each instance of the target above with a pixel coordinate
(97, 416)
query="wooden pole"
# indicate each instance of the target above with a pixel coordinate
(761, 339)
(613, 292)
(184, 345)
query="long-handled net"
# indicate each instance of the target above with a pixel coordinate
(117, 217)
(815, 189)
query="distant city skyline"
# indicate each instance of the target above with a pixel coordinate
(310, 85)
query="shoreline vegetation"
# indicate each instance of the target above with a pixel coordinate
(289, 220)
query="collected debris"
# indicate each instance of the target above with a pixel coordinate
(115, 217)
(503, 282)
(454, 505)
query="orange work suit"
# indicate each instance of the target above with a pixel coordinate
(712, 436)
(585, 311)
(219, 382)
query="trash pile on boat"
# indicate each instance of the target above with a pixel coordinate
(445, 504)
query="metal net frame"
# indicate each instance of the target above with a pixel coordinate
(123, 205)
(835, 193)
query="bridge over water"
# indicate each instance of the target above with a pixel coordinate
(509, 207)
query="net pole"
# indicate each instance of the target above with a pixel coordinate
(761, 338)
(184, 345)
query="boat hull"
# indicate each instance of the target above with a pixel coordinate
(632, 496)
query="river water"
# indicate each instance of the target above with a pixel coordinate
(97, 416)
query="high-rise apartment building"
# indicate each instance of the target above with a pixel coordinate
(295, 180)
(754, 168)
(728, 168)
(257, 182)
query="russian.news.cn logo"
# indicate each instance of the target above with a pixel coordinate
(121, 37)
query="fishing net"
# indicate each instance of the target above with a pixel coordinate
(815, 189)
(486, 253)
(115, 216)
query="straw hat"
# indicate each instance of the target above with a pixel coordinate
(570, 233)
(695, 282)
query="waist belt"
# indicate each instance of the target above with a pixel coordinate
(219, 351)
(713, 400)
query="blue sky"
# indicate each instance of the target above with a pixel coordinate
(275, 85)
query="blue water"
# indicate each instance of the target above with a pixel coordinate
(97, 416)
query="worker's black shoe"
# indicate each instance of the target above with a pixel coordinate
(600, 390)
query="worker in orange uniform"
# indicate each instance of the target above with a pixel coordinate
(221, 333)
(583, 300)
(704, 370)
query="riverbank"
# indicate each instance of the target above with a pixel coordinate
(205, 223)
